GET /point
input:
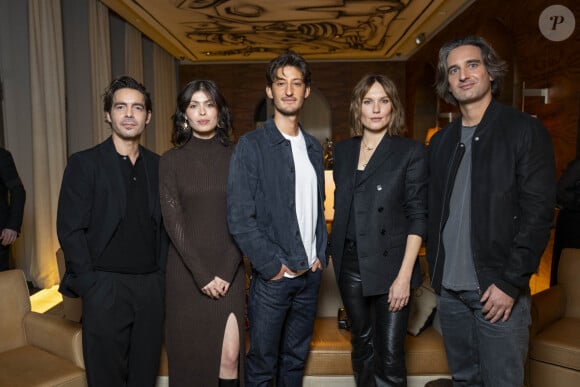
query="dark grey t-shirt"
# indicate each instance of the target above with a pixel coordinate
(459, 270)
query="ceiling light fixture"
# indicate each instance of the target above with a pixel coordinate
(420, 39)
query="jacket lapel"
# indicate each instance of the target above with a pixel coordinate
(113, 173)
(152, 183)
(382, 153)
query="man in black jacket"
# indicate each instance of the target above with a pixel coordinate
(110, 230)
(12, 198)
(491, 203)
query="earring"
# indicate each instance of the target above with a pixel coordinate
(185, 125)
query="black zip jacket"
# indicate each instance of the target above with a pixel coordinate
(513, 193)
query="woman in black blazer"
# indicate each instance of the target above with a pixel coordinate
(379, 224)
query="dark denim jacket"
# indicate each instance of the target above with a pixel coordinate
(261, 201)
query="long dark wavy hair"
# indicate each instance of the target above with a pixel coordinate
(396, 125)
(496, 67)
(182, 133)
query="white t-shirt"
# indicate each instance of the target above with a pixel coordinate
(306, 191)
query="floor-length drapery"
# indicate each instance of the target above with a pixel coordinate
(165, 92)
(134, 59)
(99, 36)
(48, 133)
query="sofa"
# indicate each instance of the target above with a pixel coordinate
(554, 354)
(329, 364)
(36, 350)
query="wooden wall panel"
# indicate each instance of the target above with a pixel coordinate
(512, 28)
(243, 86)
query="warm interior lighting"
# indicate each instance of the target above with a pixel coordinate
(420, 39)
(45, 299)
(329, 192)
(430, 133)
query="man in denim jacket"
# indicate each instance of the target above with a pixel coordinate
(275, 213)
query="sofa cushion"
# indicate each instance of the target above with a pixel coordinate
(330, 351)
(425, 354)
(28, 366)
(543, 374)
(422, 309)
(558, 344)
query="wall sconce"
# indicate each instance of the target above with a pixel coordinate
(420, 39)
(448, 115)
(533, 93)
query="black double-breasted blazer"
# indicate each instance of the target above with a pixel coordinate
(91, 205)
(390, 203)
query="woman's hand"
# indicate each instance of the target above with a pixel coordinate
(216, 289)
(399, 294)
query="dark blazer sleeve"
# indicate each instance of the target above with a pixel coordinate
(75, 205)
(9, 177)
(162, 246)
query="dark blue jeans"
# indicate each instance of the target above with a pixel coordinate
(480, 353)
(281, 315)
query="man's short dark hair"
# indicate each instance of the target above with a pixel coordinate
(288, 58)
(495, 66)
(124, 82)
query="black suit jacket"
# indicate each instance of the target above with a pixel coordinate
(390, 199)
(91, 204)
(11, 206)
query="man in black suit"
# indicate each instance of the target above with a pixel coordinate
(12, 198)
(110, 230)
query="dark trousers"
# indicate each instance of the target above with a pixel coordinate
(377, 335)
(4, 257)
(123, 317)
(281, 315)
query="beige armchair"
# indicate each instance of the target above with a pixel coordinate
(35, 349)
(554, 356)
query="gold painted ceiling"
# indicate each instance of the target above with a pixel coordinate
(254, 30)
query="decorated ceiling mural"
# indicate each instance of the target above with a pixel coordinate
(246, 30)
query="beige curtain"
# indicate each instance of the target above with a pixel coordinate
(133, 52)
(48, 134)
(165, 92)
(134, 58)
(99, 37)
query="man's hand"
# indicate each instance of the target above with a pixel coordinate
(316, 265)
(283, 269)
(8, 236)
(496, 304)
(216, 288)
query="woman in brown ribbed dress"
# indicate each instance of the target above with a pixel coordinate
(205, 274)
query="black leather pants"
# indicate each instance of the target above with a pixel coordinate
(378, 336)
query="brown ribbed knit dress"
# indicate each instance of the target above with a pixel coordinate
(193, 184)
